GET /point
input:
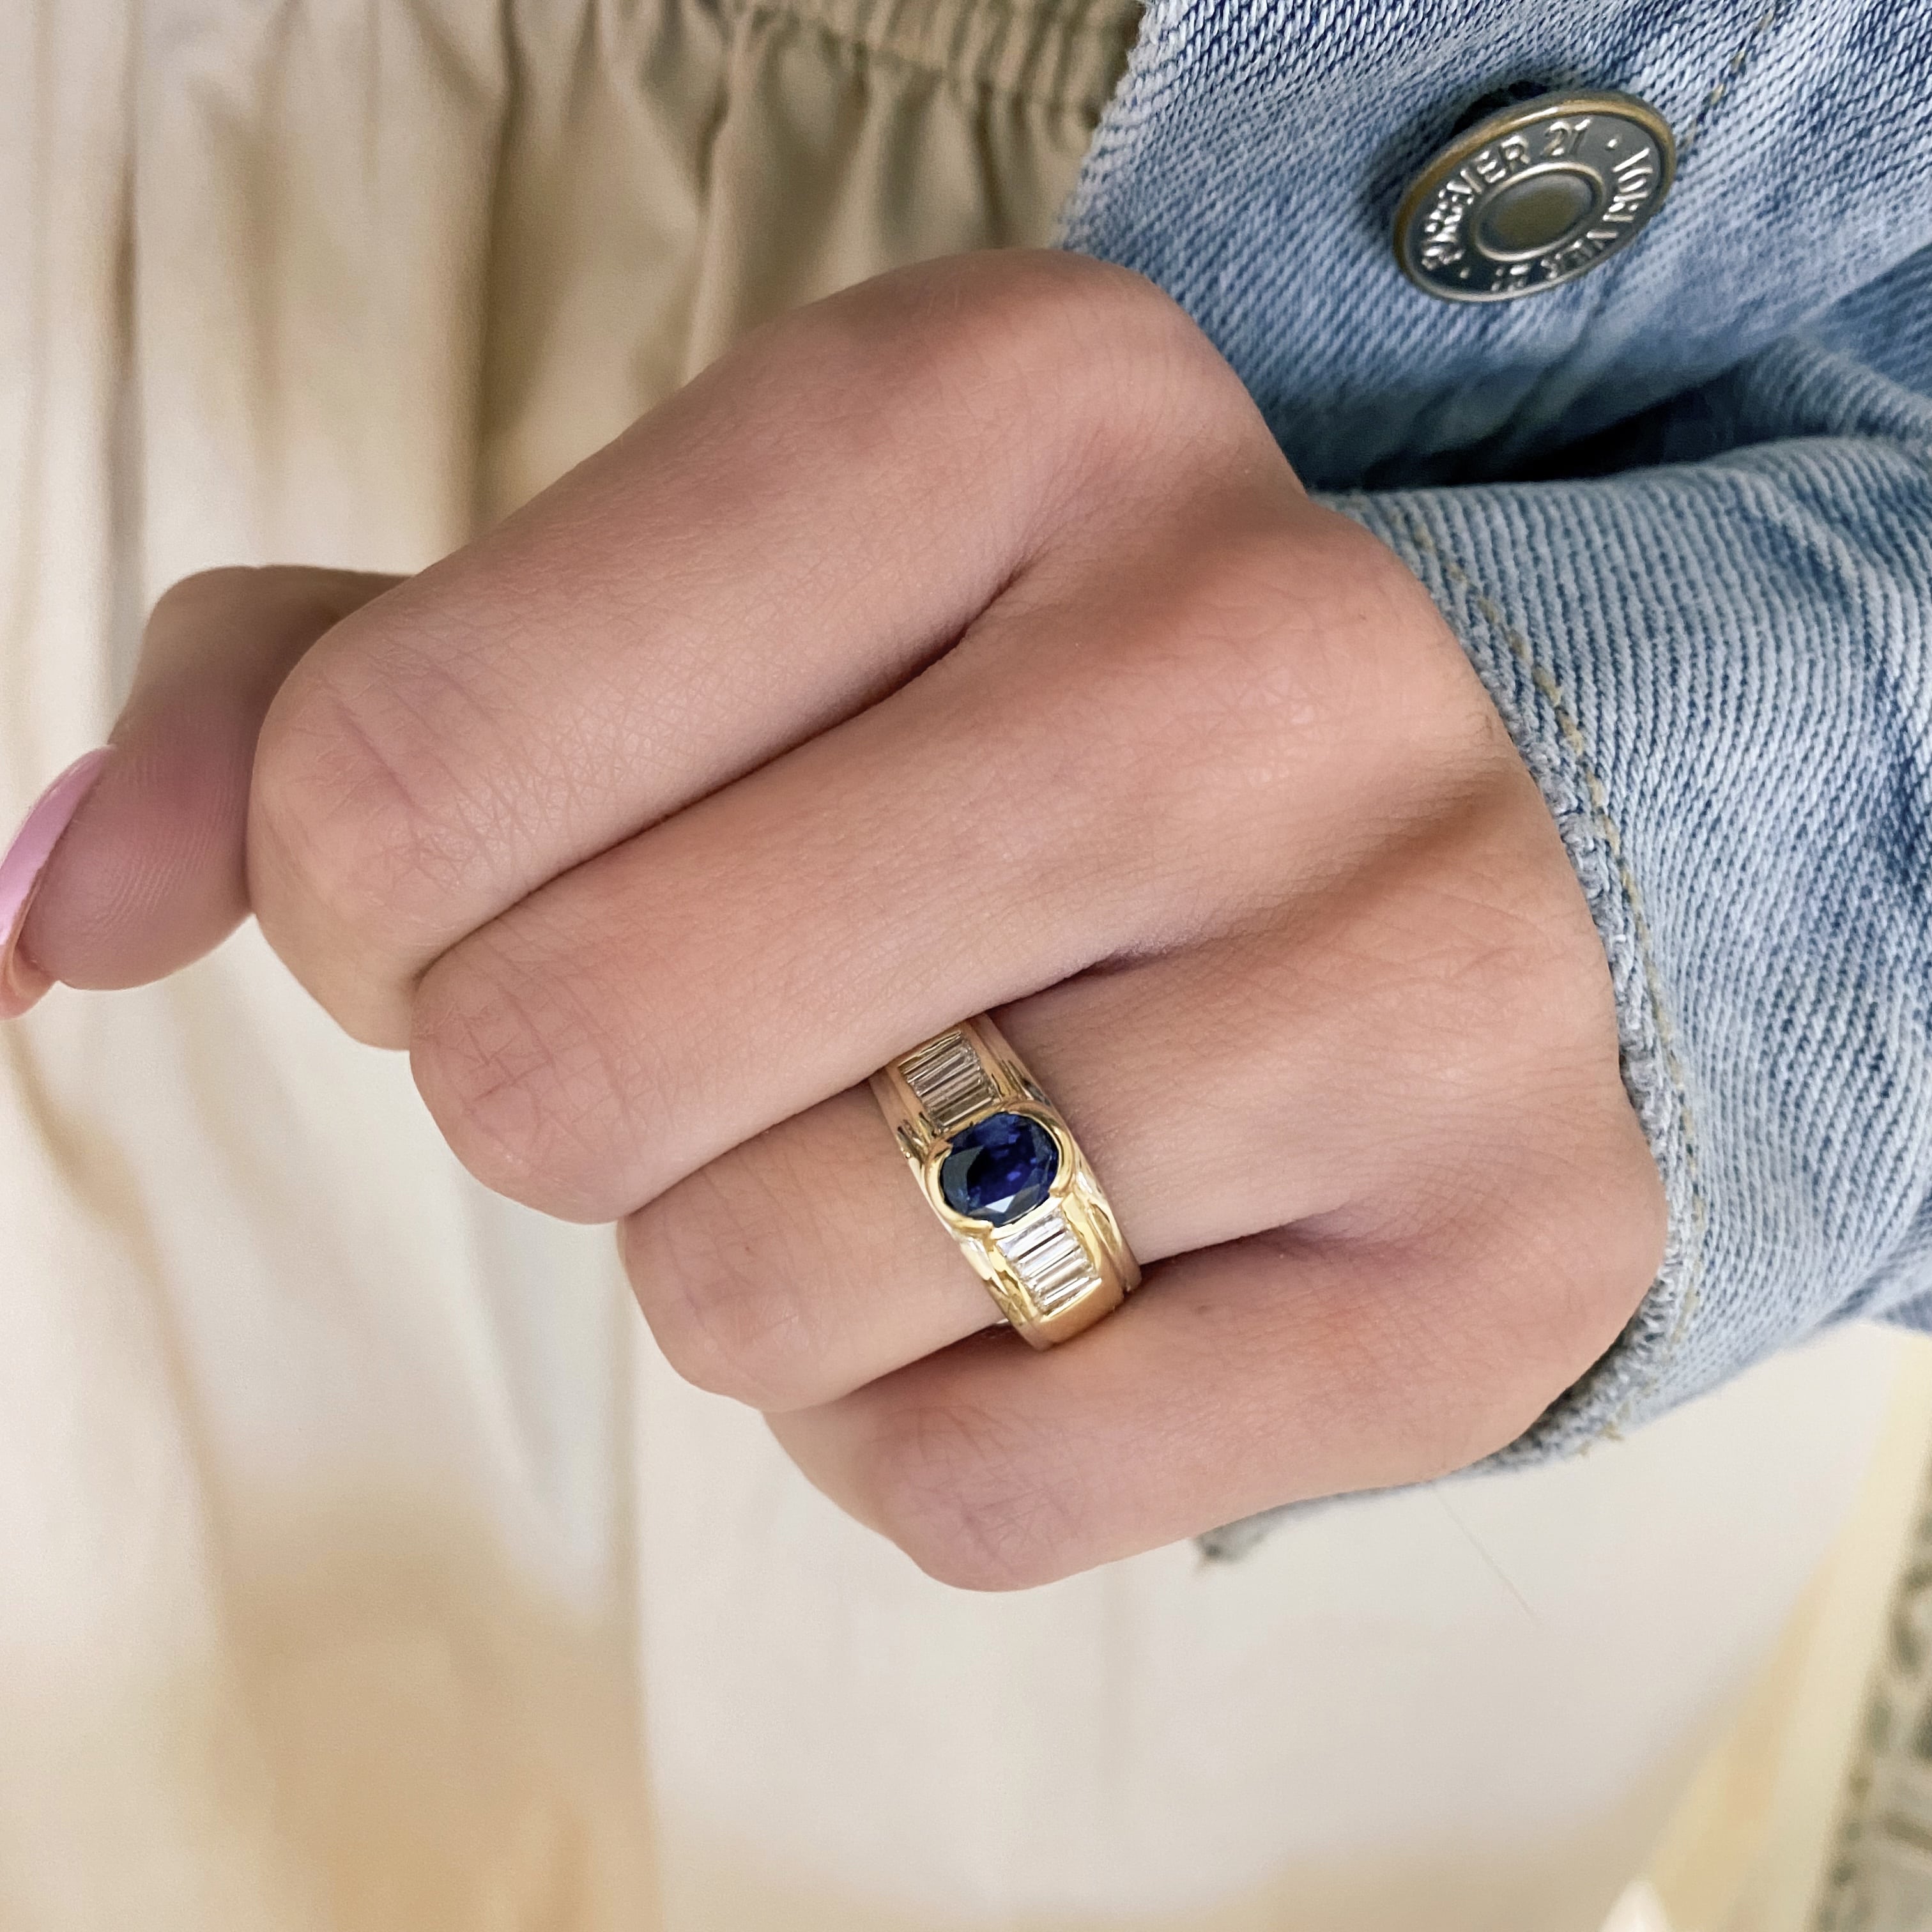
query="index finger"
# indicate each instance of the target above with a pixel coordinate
(790, 537)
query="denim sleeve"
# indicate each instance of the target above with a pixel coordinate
(1719, 669)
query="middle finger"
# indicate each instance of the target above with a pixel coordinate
(950, 850)
(801, 528)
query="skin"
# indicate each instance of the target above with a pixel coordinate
(964, 642)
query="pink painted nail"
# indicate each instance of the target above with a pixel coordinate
(21, 982)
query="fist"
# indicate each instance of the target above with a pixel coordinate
(961, 644)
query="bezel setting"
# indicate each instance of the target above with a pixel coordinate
(1059, 1267)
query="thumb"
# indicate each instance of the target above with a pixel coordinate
(131, 863)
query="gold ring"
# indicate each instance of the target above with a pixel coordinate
(1000, 1168)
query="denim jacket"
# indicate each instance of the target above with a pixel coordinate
(1679, 511)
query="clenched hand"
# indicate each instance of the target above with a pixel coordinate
(962, 643)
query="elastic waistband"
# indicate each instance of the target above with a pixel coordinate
(1058, 53)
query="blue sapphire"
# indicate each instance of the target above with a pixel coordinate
(1000, 1168)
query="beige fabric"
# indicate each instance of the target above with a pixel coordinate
(1814, 1812)
(362, 1569)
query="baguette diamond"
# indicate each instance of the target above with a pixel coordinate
(948, 1081)
(1048, 1258)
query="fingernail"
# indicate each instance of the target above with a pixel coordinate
(21, 982)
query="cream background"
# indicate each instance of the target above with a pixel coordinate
(361, 1567)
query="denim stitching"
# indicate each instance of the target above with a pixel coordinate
(1493, 614)
(1728, 78)
(1598, 292)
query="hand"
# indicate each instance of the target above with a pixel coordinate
(962, 643)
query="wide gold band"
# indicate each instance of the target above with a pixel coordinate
(1058, 1266)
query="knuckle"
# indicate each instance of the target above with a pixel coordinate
(521, 1081)
(1480, 1424)
(351, 818)
(705, 1263)
(1536, 1003)
(1042, 312)
(1566, 1274)
(1298, 640)
(1137, 364)
(1094, 358)
(1490, 1376)
(1269, 649)
(1061, 315)
(1497, 962)
(1619, 1230)
(962, 1496)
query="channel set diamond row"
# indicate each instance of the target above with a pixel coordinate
(1049, 1261)
(949, 1082)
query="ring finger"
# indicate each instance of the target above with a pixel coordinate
(1261, 1080)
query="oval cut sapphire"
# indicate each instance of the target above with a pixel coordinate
(999, 1168)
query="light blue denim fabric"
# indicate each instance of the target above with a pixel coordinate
(1680, 513)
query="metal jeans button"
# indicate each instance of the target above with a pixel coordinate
(1534, 196)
